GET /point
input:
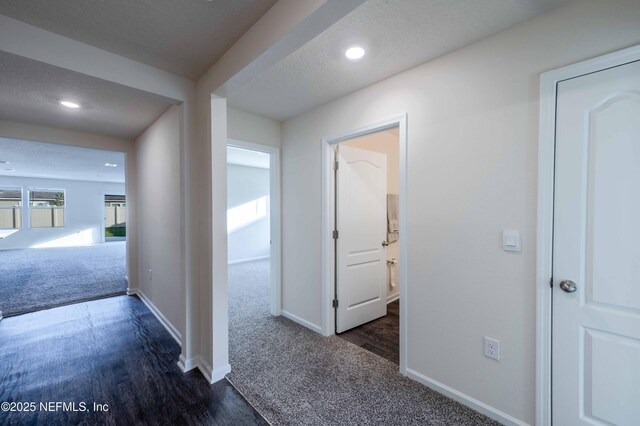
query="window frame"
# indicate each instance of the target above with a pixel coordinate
(22, 207)
(30, 207)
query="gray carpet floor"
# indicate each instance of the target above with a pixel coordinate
(35, 279)
(294, 376)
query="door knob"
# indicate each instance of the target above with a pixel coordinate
(568, 286)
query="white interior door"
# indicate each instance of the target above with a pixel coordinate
(596, 328)
(361, 220)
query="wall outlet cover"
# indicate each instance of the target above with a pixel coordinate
(492, 348)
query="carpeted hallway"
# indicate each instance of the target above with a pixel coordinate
(294, 376)
(35, 279)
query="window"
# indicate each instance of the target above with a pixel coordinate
(46, 207)
(10, 208)
(115, 216)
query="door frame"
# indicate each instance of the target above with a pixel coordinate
(328, 220)
(275, 226)
(544, 240)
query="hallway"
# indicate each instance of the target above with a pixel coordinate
(293, 375)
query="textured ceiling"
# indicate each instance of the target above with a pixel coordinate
(184, 37)
(54, 161)
(398, 35)
(244, 157)
(30, 92)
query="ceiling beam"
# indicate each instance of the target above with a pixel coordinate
(286, 27)
(35, 43)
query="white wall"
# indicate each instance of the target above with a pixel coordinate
(472, 149)
(83, 214)
(386, 142)
(159, 206)
(246, 184)
(247, 127)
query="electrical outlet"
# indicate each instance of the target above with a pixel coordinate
(492, 348)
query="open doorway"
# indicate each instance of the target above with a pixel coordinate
(51, 225)
(367, 188)
(248, 239)
(253, 245)
(253, 223)
(364, 250)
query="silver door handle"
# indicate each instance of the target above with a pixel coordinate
(568, 286)
(385, 243)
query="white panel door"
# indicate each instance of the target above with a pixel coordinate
(596, 328)
(361, 220)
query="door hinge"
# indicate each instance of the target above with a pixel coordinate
(551, 282)
(336, 165)
(335, 303)
(335, 234)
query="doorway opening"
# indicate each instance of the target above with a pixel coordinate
(367, 187)
(253, 228)
(364, 250)
(52, 203)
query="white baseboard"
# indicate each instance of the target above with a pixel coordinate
(250, 259)
(132, 291)
(211, 375)
(301, 321)
(205, 369)
(464, 399)
(393, 297)
(218, 374)
(163, 320)
(188, 364)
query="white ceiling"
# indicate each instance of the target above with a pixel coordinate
(398, 35)
(244, 157)
(30, 92)
(184, 37)
(54, 161)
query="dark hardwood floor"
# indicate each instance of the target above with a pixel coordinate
(381, 336)
(111, 351)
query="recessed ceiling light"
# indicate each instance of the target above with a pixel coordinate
(354, 53)
(10, 170)
(4, 162)
(110, 165)
(69, 104)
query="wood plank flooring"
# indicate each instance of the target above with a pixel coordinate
(111, 351)
(381, 336)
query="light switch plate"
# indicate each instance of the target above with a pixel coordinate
(511, 240)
